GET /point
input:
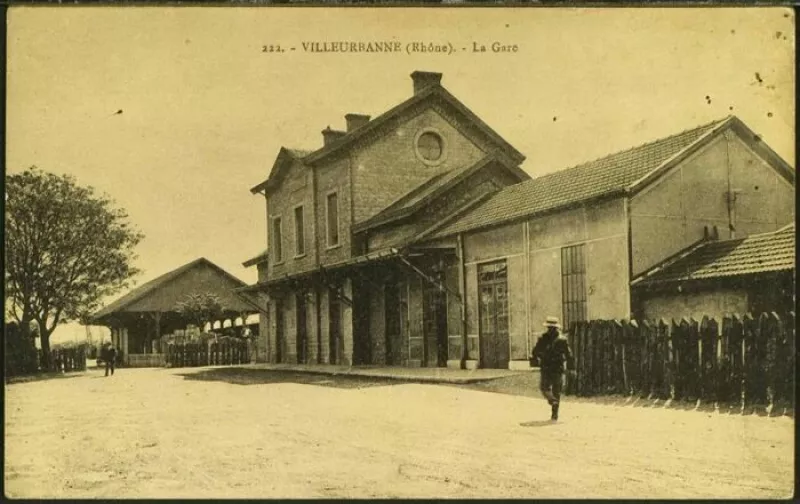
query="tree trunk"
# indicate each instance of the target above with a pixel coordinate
(25, 325)
(45, 340)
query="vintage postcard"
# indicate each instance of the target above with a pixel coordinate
(399, 252)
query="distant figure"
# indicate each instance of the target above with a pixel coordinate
(247, 334)
(110, 357)
(552, 352)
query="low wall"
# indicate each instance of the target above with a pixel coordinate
(145, 360)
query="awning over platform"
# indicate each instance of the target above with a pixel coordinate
(369, 258)
(366, 259)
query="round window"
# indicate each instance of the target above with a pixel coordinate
(430, 147)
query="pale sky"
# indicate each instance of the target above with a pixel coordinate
(205, 111)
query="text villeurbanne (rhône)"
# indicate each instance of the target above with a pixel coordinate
(391, 47)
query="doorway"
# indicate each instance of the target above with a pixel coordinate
(493, 319)
(434, 324)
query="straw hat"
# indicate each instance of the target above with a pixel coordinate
(552, 322)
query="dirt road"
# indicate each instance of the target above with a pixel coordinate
(155, 433)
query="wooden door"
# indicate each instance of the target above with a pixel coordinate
(493, 323)
(434, 323)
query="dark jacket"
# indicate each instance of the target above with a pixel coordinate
(552, 353)
(108, 353)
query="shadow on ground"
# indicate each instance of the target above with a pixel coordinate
(527, 384)
(42, 376)
(240, 376)
(538, 423)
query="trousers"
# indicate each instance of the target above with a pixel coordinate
(550, 385)
(110, 365)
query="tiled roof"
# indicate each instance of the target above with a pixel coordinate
(761, 253)
(148, 287)
(604, 176)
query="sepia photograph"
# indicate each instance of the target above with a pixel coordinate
(393, 253)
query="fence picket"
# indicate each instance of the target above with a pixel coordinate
(787, 379)
(692, 372)
(751, 359)
(580, 358)
(646, 352)
(771, 332)
(709, 336)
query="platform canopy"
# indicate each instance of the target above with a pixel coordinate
(160, 296)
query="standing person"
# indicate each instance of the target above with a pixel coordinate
(110, 358)
(552, 353)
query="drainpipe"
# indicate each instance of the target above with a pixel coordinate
(632, 304)
(462, 289)
(526, 237)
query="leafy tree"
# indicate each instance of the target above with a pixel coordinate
(199, 308)
(66, 247)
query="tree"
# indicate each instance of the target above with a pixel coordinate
(66, 247)
(199, 308)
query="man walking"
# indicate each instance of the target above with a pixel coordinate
(552, 352)
(110, 357)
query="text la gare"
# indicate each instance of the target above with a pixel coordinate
(496, 47)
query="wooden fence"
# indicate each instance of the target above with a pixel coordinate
(222, 353)
(746, 360)
(64, 360)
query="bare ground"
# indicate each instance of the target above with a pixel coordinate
(231, 433)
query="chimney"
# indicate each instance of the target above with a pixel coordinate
(329, 135)
(355, 121)
(424, 80)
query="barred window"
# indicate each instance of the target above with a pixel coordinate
(573, 285)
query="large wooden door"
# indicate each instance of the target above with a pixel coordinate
(493, 292)
(279, 331)
(434, 324)
(301, 338)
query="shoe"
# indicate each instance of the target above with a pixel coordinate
(554, 415)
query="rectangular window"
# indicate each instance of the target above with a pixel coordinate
(299, 232)
(276, 242)
(333, 219)
(573, 285)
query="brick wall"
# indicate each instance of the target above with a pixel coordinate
(388, 166)
(334, 177)
(295, 189)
